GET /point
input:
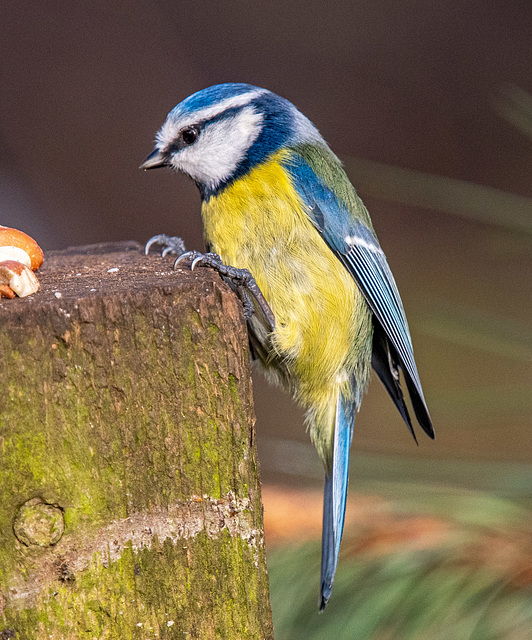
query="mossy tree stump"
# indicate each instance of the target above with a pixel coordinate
(129, 497)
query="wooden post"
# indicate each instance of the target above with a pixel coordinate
(129, 495)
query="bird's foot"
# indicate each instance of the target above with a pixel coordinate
(241, 279)
(170, 245)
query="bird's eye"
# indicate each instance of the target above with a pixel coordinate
(189, 135)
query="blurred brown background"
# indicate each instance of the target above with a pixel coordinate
(429, 106)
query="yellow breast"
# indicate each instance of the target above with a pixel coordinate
(322, 322)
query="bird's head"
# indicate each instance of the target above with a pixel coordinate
(218, 134)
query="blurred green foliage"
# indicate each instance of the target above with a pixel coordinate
(473, 583)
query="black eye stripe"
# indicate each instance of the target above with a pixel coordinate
(185, 137)
(188, 135)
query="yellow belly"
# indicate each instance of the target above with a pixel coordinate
(323, 326)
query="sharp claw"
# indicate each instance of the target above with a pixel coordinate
(169, 244)
(149, 244)
(195, 262)
(160, 238)
(183, 256)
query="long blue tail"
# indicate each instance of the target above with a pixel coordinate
(334, 497)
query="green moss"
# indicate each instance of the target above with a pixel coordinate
(191, 374)
(123, 599)
(126, 414)
(232, 385)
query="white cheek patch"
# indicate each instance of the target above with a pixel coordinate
(219, 149)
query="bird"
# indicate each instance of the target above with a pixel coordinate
(281, 217)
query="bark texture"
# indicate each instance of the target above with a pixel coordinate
(129, 495)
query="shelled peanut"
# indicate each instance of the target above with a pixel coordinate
(20, 257)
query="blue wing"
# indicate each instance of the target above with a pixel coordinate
(350, 237)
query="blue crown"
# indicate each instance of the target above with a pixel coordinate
(212, 95)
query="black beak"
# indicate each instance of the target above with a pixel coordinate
(155, 160)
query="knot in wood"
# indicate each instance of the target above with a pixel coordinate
(39, 523)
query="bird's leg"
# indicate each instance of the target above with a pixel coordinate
(241, 279)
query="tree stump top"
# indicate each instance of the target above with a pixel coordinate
(107, 269)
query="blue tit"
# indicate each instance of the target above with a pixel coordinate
(277, 202)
